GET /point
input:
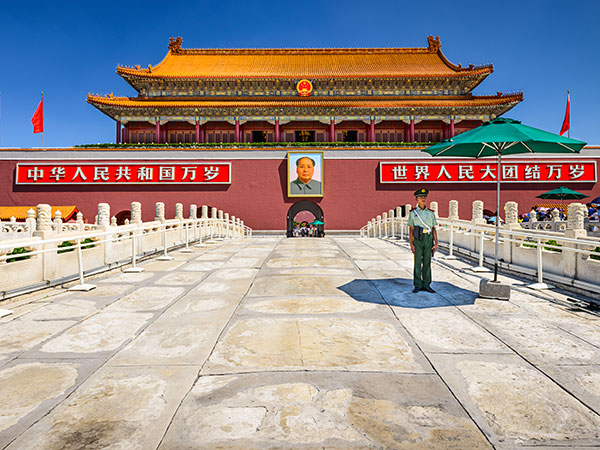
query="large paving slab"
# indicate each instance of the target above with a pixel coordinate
(297, 343)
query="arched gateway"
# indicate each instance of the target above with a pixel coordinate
(304, 205)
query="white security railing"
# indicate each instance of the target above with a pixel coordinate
(55, 256)
(570, 257)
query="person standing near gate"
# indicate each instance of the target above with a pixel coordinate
(423, 241)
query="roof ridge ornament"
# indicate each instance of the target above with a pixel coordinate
(175, 44)
(434, 44)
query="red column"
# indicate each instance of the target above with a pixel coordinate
(197, 131)
(118, 132)
(451, 128)
(412, 131)
(203, 134)
(237, 130)
(372, 131)
(158, 131)
(276, 130)
(331, 131)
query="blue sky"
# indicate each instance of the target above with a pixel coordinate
(70, 48)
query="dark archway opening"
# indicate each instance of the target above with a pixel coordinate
(304, 205)
(122, 215)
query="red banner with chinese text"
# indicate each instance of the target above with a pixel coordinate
(582, 171)
(124, 172)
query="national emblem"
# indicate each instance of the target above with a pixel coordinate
(304, 88)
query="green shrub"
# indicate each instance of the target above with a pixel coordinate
(529, 244)
(18, 251)
(87, 241)
(593, 255)
(66, 246)
(555, 244)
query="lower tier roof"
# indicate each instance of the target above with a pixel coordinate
(153, 106)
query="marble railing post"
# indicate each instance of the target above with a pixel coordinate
(136, 213)
(58, 223)
(113, 221)
(44, 231)
(384, 217)
(434, 207)
(159, 212)
(511, 223)
(213, 222)
(556, 220)
(30, 221)
(44, 220)
(103, 214)
(575, 230)
(453, 210)
(179, 211)
(79, 221)
(104, 225)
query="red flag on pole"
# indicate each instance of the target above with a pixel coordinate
(567, 122)
(38, 118)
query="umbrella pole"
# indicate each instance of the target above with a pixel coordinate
(497, 216)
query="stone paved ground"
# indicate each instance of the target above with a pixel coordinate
(279, 343)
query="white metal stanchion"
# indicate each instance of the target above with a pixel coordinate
(133, 268)
(165, 256)
(200, 243)
(540, 285)
(450, 254)
(187, 248)
(480, 268)
(82, 286)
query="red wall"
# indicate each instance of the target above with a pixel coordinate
(352, 193)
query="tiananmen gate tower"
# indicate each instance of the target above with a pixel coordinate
(230, 128)
(256, 95)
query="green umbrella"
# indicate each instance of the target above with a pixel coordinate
(503, 136)
(562, 193)
(317, 222)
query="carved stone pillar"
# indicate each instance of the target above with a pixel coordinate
(44, 217)
(103, 214)
(478, 212)
(453, 210)
(204, 210)
(434, 207)
(193, 212)
(179, 211)
(136, 212)
(159, 212)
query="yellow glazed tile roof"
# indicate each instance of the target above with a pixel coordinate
(305, 63)
(364, 102)
(20, 212)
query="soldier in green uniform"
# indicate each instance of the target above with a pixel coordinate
(423, 241)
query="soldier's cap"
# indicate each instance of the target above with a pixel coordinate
(421, 192)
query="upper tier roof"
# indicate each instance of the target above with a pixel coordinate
(304, 63)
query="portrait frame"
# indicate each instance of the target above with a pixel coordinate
(292, 175)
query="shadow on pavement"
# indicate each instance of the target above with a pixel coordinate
(398, 292)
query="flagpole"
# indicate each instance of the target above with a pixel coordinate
(42, 122)
(569, 98)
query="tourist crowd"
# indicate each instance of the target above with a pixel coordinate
(305, 229)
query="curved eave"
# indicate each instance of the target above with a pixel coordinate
(475, 101)
(144, 74)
